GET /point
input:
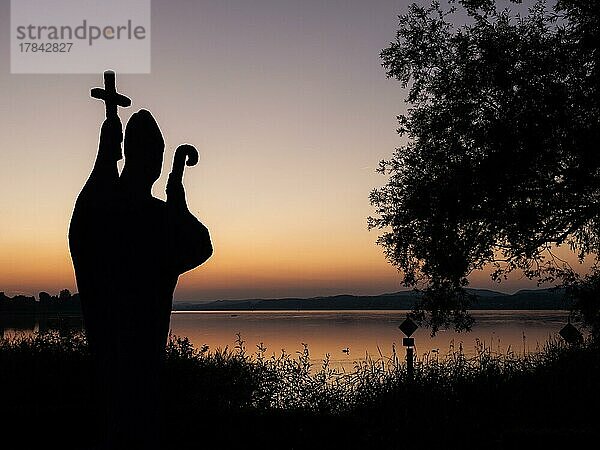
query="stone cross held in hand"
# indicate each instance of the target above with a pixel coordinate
(109, 95)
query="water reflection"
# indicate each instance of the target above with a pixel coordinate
(363, 333)
(347, 336)
(14, 324)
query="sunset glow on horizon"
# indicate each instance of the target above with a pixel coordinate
(291, 111)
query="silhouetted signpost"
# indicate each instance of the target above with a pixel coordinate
(571, 335)
(408, 327)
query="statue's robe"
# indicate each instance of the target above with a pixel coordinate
(128, 252)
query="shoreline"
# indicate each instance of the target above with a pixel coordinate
(234, 310)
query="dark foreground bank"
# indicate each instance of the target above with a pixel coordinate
(243, 398)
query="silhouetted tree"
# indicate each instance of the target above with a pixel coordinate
(64, 295)
(502, 162)
(45, 298)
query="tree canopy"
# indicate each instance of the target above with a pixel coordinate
(502, 161)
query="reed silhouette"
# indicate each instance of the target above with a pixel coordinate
(128, 250)
(239, 399)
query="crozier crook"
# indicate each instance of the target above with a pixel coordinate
(184, 155)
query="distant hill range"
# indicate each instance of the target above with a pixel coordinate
(486, 299)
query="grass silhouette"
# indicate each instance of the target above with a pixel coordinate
(236, 396)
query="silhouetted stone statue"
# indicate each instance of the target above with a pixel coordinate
(128, 249)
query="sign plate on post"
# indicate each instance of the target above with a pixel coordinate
(571, 335)
(408, 327)
(408, 342)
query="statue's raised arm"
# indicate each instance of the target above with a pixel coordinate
(91, 219)
(111, 134)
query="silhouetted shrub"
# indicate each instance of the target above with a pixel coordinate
(494, 397)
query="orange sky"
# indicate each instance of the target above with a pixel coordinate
(291, 111)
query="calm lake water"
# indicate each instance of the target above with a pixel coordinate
(360, 332)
